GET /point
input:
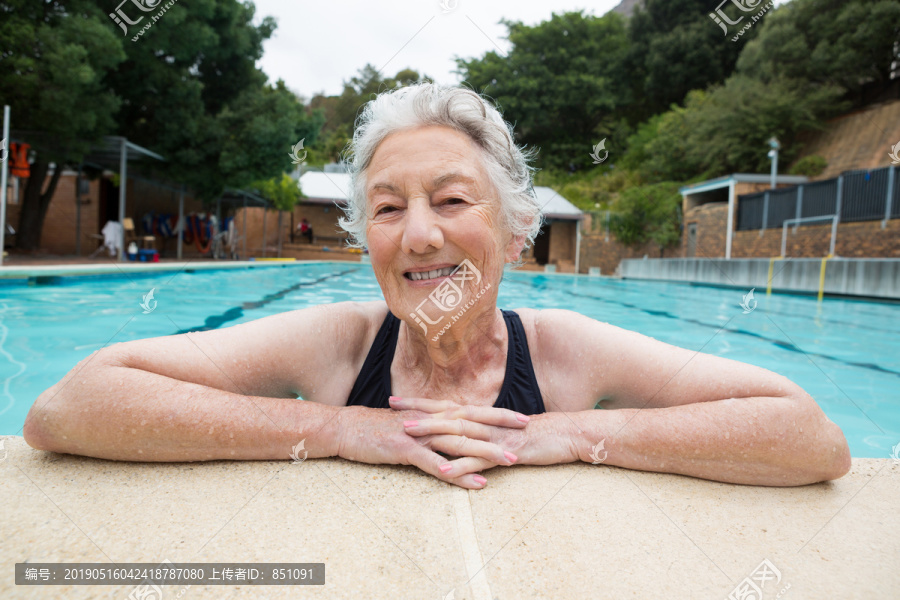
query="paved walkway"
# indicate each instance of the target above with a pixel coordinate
(567, 531)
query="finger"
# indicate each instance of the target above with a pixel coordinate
(456, 445)
(424, 404)
(431, 463)
(483, 414)
(467, 465)
(459, 427)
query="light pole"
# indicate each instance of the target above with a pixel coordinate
(773, 154)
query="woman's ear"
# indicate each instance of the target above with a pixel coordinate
(514, 248)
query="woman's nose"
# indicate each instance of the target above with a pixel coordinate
(421, 231)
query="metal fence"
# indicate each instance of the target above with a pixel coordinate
(855, 195)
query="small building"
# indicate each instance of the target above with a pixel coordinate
(709, 210)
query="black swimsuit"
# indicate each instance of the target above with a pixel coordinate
(519, 391)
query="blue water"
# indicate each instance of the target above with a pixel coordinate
(845, 353)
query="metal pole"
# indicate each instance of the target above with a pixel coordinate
(784, 236)
(78, 213)
(774, 173)
(730, 225)
(265, 214)
(245, 228)
(765, 214)
(181, 220)
(890, 197)
(3, 181)
(123, 181)
(799, 205)
(837, 213)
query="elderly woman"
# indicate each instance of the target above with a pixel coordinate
(437, 376)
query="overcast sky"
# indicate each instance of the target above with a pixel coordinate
(320, 44)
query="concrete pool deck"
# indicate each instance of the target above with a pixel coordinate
(565, 531)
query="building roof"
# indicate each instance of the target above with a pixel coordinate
(325, 188)
(331, 188)
(554, 206)
(726, 180)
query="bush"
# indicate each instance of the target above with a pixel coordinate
(811, 166)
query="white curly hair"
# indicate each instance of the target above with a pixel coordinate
(423, 104)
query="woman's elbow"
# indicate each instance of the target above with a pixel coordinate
(37, 430)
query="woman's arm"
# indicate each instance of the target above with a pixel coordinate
(221, 394)
(679, 411)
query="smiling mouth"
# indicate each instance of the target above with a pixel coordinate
(427, 275)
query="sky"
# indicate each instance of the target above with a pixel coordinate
(318, 45)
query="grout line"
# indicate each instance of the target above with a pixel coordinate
(468, 541)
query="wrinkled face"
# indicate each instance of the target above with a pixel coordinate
(431, 206)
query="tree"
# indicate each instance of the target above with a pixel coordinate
(648, 213)
(560, 84)
(851, 44)
(674, 47)
(187, 88)
(55, 61)
(281, 191)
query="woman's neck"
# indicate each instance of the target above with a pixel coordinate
(464, 352)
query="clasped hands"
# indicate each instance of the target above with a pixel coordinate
(481, 437)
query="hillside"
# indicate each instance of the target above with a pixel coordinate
(856, 140)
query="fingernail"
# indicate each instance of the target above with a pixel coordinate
(523, 418)
(394, 398)
(445, 468)
(480, 480)
(510, 456)
(410, 423)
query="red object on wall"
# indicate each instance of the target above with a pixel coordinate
(18, 164)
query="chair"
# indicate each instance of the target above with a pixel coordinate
(144, 241)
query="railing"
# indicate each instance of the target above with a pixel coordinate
(853, 196)
(832, 218)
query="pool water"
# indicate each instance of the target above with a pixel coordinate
(845, 353)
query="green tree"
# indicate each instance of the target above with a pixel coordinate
(674, 47)
(283, 192)
(853, 44)
(649, 213)
(55, 62)
(560, 84)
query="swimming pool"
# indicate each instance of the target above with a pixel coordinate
(846, 353)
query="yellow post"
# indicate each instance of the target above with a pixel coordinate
(822, 277)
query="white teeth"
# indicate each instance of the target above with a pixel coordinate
(433, 274)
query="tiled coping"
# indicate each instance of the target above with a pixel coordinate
(566, 531)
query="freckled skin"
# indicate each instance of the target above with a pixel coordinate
(667, 409)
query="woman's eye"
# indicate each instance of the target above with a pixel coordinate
(386, 209)
(454, 201)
